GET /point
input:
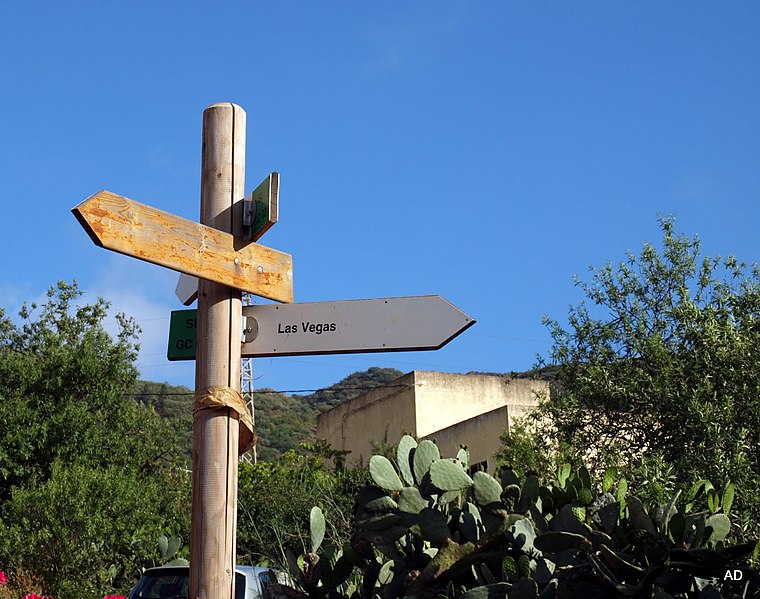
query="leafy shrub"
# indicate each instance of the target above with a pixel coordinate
(274, 501)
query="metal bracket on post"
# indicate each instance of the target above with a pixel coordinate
(260, 208)
(249, 214)
(250, 329)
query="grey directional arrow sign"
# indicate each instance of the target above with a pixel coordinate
(353, 326)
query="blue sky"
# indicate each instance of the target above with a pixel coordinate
(482, 151)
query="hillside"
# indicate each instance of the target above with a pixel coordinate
(352, 386)
(173, 403)
(282, 421)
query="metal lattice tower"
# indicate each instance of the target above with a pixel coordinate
(246, 389)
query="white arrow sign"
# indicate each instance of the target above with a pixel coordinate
(187, 289)
(371, 325)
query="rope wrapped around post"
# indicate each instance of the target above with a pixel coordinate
(213, 398)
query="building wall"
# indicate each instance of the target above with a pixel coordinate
(472, 409)
(384, 413)
(444, 399)
(480, 435)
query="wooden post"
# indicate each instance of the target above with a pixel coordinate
(215, 432)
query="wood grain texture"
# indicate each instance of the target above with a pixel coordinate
(129, 227)
(216, 432)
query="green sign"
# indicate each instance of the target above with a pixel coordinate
(182, 335)
(261, 213)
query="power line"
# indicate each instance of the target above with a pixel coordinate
(271, 391)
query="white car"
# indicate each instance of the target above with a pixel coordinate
(171, 582)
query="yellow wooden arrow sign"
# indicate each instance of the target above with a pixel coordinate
(128, 227)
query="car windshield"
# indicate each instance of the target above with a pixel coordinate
(162, 585)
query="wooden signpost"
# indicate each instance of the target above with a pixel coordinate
(213, 250)
(220, 252)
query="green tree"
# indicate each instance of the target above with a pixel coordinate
(87, 476)
(660, 368)
(85, 531)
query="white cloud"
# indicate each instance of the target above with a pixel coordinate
(12, 297)
(145, 293)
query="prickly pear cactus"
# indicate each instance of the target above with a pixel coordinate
(428, 528)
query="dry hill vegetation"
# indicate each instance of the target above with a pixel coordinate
(283, 421)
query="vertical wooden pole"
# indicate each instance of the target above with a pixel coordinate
(215, 432)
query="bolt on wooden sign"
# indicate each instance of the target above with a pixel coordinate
(351, 326)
